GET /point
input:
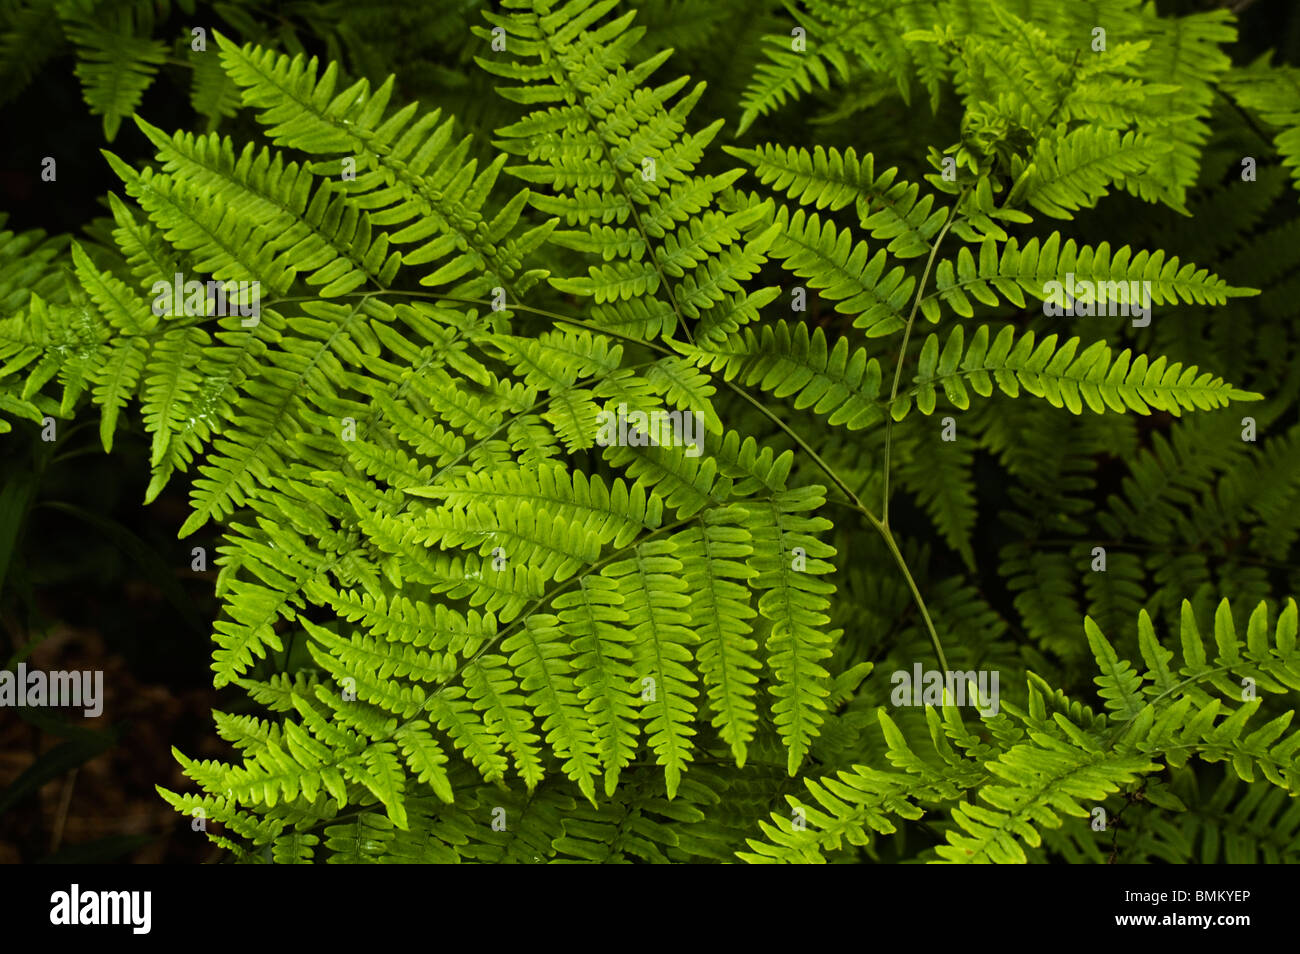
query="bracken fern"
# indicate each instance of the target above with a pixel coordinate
(452, 604)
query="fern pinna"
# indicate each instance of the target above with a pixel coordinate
(471, 627)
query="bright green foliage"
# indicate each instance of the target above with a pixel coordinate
(846, 36)
(479, 619)
(1033, 73)
(1063, 376)
(842, 387)
(1037, 772)
(827, 178)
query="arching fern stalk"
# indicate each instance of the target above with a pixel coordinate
(518, 640)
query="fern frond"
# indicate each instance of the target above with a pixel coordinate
(889, 208)
(1052, 271)
(617, 151)
(654, 600)
(116, 65)
(790, 564)
(1063, 376)
(1042, 767)
(837, 383)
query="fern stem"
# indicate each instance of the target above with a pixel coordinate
(803, 445)
(857, 504)
(888, 537)
(1244, 114)
(542, 312)
(902, 351)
